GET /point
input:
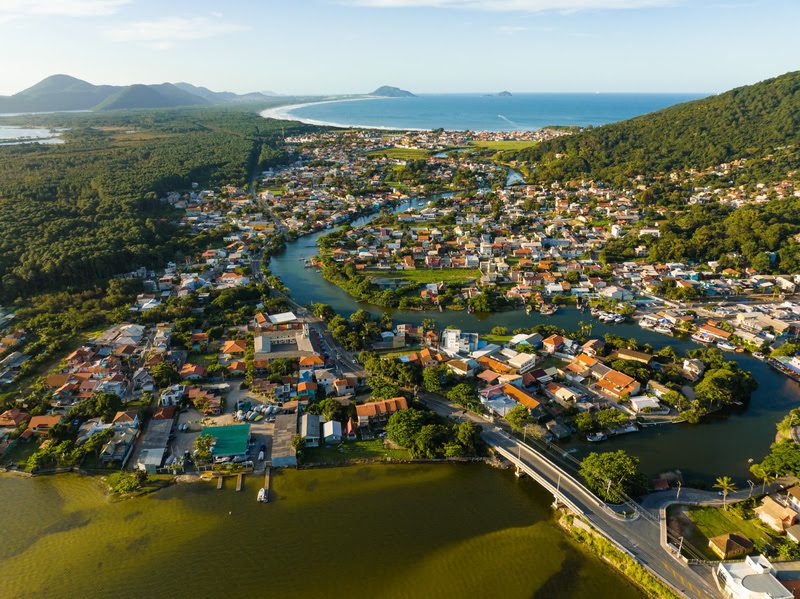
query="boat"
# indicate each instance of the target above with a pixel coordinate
(596, 437)
(758, 355)
(262, 495)
(700, 338)
(619, 318)
(548, 310)
(726, 346)
(663, 329)
(647, 323)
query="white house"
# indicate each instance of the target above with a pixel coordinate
(332, 431)
(754, 578)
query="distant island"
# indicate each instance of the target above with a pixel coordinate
(387, 91)
(502, 94)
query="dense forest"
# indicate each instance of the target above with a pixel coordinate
(747, 122)
(74, 213)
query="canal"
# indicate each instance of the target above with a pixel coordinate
(723, 445)
(402, 531)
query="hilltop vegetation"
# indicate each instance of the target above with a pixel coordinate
(746, 122)
(72, 214)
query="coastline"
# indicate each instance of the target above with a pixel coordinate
(285, 113)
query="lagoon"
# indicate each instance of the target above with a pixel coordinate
(434, 530)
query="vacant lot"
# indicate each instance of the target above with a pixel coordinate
(708, 522)
(402, 153)
(504, 145)
(429, 275)
(373, 449)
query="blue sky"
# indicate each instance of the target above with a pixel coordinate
(352, 46)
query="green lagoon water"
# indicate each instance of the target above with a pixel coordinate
(363, 531)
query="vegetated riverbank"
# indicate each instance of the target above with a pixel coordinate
(592, 541)
(445, 530)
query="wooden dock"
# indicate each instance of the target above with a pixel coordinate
(239, 481)
(266, 482)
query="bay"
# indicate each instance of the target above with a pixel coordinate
(520, 112)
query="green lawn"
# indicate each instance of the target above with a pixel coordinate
(429, 275)
(401, 153)
(511, 144)
(551, 361)
(711, 521)
(201, 359)
(353, 450)
(498, 339)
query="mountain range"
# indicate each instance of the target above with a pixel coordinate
(63, 92)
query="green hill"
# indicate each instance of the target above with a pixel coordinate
(745, 122)
(57, 92)
(164, 95)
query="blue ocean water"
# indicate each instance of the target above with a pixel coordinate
(519, 112)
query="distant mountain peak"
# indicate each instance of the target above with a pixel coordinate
(387, 91)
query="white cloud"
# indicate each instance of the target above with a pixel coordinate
(517, 5)
(511, 29)
(12, 9)
(168, 31)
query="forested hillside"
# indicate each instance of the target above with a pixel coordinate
(742, 123)
(74, 213)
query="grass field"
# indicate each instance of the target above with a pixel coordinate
(498, 339)
(511, 144)
(353, 450)
(430, 275)
(402, 153)
(710, 522)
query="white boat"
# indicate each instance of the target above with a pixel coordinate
(262, 495)
(647, 323)
(700, 338)
(663, 329)
(619, 318)
(547, 310)
(758, 355)
(726, 346)
(596, 437)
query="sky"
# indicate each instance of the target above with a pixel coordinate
(426, 46)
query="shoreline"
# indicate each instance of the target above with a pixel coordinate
(284, 113)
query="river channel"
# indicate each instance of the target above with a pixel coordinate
(403, 531)
(722, 445)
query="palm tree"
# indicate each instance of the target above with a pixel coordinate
(725, 484)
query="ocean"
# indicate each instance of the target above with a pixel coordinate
(476, 112)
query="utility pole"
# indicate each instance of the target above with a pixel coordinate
(678, 495)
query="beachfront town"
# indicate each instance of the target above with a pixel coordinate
(216, 370)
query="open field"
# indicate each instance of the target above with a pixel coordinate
(429, 275)
(401, 153)
(711, 521)
(511, 144)
(353, 450)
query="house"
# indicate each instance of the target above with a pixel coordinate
(351, 430)
(730, 545)
(307, 389)
(173, 395)
(123, 420)
(13, 418)
(314, 362)
(344, 387)
(119, 447)
(617, 384)
(379, 411)
(234, 347)
(553, 344)
(754, 578)
(632, 355)
(693, 369)
(774, 515)
(332, 431)
(793, 498)
(460, 368)
(309, 429)
(143, 380)
(193, 372)
(40, 426)
(283, 452)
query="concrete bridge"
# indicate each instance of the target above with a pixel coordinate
(633, 529)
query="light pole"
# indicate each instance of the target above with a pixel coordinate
(752, 485)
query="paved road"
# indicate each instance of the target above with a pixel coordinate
(639, 536)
